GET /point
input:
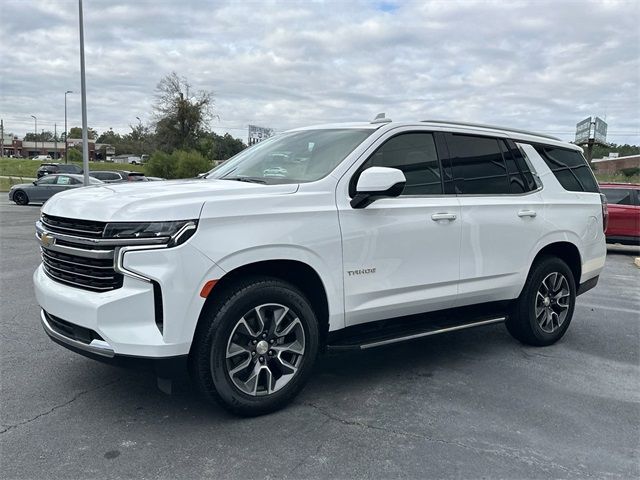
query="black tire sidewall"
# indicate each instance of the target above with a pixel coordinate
(20, 194)
(218, 384)
(526, 305)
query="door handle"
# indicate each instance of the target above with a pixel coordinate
(527, 213)
(443, 216)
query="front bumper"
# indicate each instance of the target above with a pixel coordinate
(126, 319)
(164, 367)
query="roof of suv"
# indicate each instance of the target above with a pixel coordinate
(514, 133)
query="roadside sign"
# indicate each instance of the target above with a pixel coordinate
(257, 134)
(600, 131)
(583, 131)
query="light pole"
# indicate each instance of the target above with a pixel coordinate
(35, 129)
(65, 124)
(140, 137)
(83, 94)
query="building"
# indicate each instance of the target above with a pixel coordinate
(615, 164)
(28, 149)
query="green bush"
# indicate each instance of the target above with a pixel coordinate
(179, 164)
(74, 155)
(630, 172)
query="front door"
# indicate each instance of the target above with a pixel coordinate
(400, 254)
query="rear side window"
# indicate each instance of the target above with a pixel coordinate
(569, 167)
(619, 196)
(413, 153)
(478, 166)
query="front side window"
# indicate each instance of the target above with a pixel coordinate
(478, 166)
(618, 196)
(413, 153)
(47, 181)
(292, 157)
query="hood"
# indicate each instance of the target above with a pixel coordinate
(152, 201)
(21, 185)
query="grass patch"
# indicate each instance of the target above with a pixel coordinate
(616, 178)
(27, 168)
(6, 183)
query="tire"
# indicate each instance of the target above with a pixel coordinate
(20, 197)
(543, 312)
(283, 352)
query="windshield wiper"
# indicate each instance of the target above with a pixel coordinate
(246, 179)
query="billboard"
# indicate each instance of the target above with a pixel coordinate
(583, 131)
(257, 134)
(600, 131)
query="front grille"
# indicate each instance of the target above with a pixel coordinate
(72, 226)
(92, 274)
(70, 330)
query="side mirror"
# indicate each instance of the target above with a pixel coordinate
(35, 182)
(376, 183)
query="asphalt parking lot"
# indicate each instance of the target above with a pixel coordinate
(472, 404)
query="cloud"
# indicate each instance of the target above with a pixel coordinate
(538, 65)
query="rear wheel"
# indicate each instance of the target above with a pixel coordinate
(20, 197)
(255, 347)
(543, 312)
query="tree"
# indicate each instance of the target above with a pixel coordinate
(44, 136)
(181, 113)
(74, 155)
(76, 132)
(219, 147)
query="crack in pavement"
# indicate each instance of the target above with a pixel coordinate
(56, 407)
(530, 458)
(314, 453)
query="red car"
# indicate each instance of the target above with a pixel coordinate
(624, 212)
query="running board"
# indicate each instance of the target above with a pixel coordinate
(373, 340)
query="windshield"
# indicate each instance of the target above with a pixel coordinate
(292, 157)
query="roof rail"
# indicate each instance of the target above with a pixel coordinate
(495, 127)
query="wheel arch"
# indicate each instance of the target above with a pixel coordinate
(566, 251)
(296, 272)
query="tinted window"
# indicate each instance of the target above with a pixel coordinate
(414, 154)
(47, 181)
(569, 167)
(620, 196)
(478, 166)
(69, 169)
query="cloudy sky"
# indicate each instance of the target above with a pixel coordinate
(529, 64)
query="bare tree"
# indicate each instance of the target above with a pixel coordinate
(182, 114)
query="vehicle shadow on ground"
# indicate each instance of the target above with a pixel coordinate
(335, 373)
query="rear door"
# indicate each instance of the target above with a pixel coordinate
(499, 204)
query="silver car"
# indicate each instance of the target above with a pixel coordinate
(42, 190)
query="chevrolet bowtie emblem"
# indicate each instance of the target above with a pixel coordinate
(47, 240)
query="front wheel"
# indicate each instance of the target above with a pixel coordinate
(255, 347)
(20, 198)
(543, 312)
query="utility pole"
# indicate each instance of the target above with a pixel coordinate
(65, 125)
(55, 141)
(83, 88)
(1, 138)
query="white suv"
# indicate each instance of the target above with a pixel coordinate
(337, 236)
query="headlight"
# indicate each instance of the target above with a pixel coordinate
(173, 233)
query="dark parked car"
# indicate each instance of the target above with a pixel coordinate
(45, 188)
(53, 168)
(118, 176)
(624, 212)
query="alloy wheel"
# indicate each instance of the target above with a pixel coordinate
(265, 349)
(552, 302)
